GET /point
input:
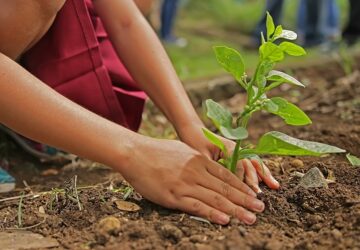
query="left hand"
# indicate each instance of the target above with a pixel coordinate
(249, 171)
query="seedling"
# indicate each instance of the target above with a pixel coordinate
(263, 80)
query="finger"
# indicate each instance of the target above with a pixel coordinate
(251, 177)
(232, 194)
(265, 174)
(240, 172)
(226, 176)
(219, 202)
(200, 209)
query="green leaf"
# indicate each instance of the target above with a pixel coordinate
(270, 26)
(288, 35)
(281, 77)
(247, 155)
(264, 68)
(291, 114)
(271, 107)
(277, 143)
(292, 49)
(253, 92)
(353, 160)
(239, 133)
(214, 139)
(271, 51)
(277, 33)
(230, 60)
(218, 115)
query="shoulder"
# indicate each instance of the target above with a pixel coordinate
(43, 7)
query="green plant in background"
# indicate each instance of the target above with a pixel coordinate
(263, 80)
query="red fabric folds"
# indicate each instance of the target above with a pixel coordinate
(77, 59)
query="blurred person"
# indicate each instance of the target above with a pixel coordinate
(71, 76)
(318, 23)
(275, 8)
(168, 14)
(351, 33)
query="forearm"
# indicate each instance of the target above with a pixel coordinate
(147, 61)
(31, 108)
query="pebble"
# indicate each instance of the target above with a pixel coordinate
(171, 232)
(203, 247)
(273, 245)
(198, 238)
(336, 234)
(314, 178)
(296, 163)
(108, 226)
(49, 172)
(242, 230)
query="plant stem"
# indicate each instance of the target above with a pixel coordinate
(20, 211)
(235, 156)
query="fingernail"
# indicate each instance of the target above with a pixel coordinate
(250, 218)
(275, 181)
(258, 206)
(224, 219)
(257, 190)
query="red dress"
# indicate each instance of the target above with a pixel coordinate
(77, 59)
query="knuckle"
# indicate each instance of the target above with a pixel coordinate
(226, 175)
(196, 207)
(226, 189)
(218, 201)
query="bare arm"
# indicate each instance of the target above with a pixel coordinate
(147, 61)
(37, 111)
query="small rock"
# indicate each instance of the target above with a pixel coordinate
(273, 245)
(41, 210)
(171, 232)
(317, 227)
(336, 234)
(242, 230)
(198, 238)
(221, 237)
(106, 227)
(203, 247)
(313, 179)
(296, 163)
(49, 172)
(312, 219)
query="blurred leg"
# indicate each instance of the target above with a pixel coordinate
(352, 30)
(168, 13)
(310, 18)
(332, 21)
(275, 8)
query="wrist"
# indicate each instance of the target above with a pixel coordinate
(123, 150)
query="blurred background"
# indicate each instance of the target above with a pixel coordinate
(189, 29)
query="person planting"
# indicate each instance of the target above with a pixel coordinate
(75, 47)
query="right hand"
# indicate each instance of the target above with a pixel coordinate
(174, 175)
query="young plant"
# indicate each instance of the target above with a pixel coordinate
(263, 80)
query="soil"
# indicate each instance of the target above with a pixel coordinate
(295, 218)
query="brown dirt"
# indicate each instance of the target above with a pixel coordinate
(295, 218)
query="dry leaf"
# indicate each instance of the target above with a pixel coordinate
(127, 206)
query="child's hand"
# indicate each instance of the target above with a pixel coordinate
(176, 176)
(249, 171)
